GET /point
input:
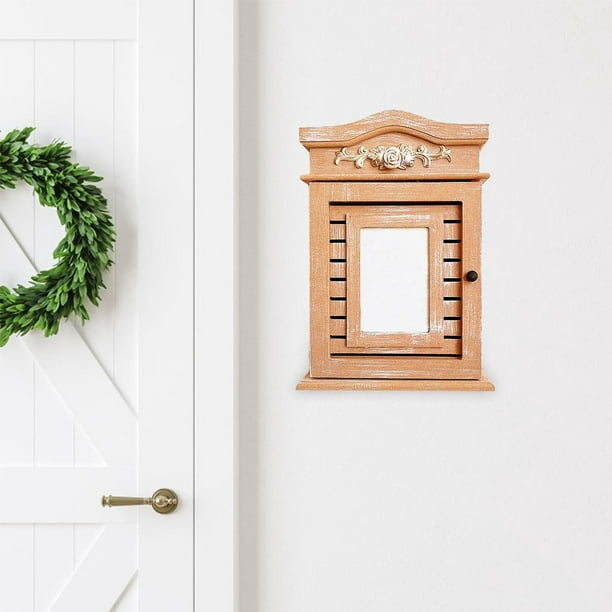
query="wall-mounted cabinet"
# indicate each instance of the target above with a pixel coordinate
(395, 227)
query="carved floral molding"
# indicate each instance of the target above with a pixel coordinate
(400, 157)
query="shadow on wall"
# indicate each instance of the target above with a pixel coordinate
(248, 261)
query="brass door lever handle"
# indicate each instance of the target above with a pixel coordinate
(163, 501)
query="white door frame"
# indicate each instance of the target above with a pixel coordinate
(191, 310)
(166, 315)
(216, 477)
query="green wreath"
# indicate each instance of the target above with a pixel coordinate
(82, 255)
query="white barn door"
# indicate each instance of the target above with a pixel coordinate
(106, 408)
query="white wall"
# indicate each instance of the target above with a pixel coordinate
(423, 501)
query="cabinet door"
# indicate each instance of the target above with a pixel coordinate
(389, 295)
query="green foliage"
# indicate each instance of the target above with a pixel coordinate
(82, 255)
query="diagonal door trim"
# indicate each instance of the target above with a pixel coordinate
(102, 412)
(96, 585)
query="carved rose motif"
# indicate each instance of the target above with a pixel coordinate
(388, 158)
(393, 158)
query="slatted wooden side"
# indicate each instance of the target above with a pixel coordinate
(452, 282)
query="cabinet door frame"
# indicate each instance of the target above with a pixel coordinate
(326, 361)
(394, 217)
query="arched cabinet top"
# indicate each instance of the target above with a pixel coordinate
(397, 122)
(394, 146)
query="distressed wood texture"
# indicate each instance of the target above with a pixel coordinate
(424, 193)
(392, 129)
(369, 384)
(444, 283)
(405, 217)
(386, 121)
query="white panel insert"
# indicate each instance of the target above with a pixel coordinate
(394, 279)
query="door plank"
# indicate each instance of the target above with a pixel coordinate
(94, 109)
(17, 61)
(17, 567)
(54, 112)
(66, 494)
(17, 412)
(96, 584)
(53, 562)
(53, 425)
(68, 20)
(126, 221)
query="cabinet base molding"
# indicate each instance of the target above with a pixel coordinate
(393, 384)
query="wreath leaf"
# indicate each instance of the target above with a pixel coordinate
(82, 255)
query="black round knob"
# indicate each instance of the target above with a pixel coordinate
(472, 276)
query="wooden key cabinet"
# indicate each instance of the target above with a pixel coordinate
(395, 229)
